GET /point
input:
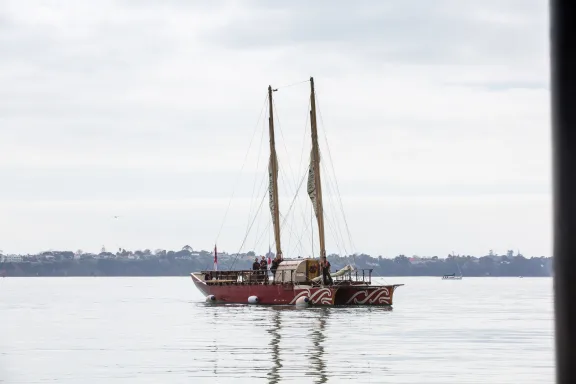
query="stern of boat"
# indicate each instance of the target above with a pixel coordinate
(381, 295)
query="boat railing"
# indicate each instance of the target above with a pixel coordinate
(241, 276)
(260, 276)
(363, 276)
(356, 276)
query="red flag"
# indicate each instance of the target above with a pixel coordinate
(215, 258)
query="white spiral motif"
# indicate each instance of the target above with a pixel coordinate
(378, 296)
(320, 296)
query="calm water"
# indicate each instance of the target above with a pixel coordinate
(158, 330)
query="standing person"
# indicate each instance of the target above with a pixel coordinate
(264, 268)
(256, 270)
(275, 263)
(326, 278)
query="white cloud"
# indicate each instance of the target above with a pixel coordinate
(148, 106)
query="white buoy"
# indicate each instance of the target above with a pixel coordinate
(210, 298)
(303, 301)
(253, 300)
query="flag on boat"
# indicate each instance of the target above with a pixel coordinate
(269, 255)
(215, 258)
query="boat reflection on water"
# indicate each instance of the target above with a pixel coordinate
(273, 375)
(296, 346)
(317, 355)
(214, 349)
(317, 324)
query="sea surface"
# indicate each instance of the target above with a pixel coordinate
(159, 330)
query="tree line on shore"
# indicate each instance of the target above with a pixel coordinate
(181, 263)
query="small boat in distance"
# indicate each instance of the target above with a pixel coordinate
(295, 281)
(451, 277)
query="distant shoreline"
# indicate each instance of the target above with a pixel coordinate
(178, 264)
(114, 276)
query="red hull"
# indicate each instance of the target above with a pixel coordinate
(287, 294)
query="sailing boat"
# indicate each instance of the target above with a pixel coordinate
(295, 281)
(453, 276)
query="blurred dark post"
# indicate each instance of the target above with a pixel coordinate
(564, 151)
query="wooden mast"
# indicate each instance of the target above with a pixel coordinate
(273, 170)
(316, 165)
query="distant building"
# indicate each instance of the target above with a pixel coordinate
(11, 258)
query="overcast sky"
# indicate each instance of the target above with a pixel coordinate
(437, 116)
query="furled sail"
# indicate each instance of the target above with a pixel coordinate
(341, 272)
(271, 184)
(312, 184)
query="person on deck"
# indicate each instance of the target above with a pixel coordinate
(326, 278)
(264, 268)
(275, 263)
(256, 265)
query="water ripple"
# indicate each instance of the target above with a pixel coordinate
(159, 330)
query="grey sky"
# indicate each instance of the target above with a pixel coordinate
(437, 115)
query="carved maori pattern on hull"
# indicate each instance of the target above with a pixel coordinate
(372, 296)
(320, 296)
(288, 295)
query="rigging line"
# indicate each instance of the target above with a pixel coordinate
(341, 211)
(269, 237)
(265, 176)
(241, 169)
(286, 245)
(330, 191)
(303, 146)
(305, 132)
(259, 215)
(296, 194)
(298, 245)
(308, 150)
(334, 231)
(256, 175)
(248, 231)
(257, 230)
(332, 164)
(310, 235)
(334, 237)
(284, 143)
(267, 232)
(294, 199)
(285, 184)
(283, 140)
(293, 84)
(285, 218)
(300, 234)
(312, 226)
(284, 177)
(290, 229)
